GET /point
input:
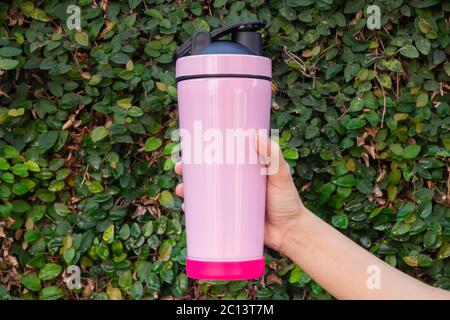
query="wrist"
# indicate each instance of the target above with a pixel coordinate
(294, 231)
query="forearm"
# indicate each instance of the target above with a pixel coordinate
(343, 268)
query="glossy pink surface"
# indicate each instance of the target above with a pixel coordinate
(224, 63)
(224, 203)
(225, 270)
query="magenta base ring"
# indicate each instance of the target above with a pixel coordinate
(225, 270)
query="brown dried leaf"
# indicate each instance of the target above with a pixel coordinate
(371, 150)
(140, 211)
(273, 278)
(377, 191)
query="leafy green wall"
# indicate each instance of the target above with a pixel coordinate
(86, 116)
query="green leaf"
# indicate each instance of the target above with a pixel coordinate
(411, 151)
(37, 212)
(10, 51)
(439, 56)
(61, 209)
(16, 112)
(99, 133)
(181, 283)
(290, 154)
(148, 229)
(351, 70)
(425, 209)
(423, 45)
(447, 68)
(169, 164)
(68, 255)
(355, 123)
(347, 180)
(298, 276)
(125, 280)
(56, 185)
(405, 211)
(135, 112)
(124, 103)
(51, 293)
(409, 51)
(393, 65)
(120, 58)
(50, 271)
(113, 293)
(8, 64)
(31, 282)
(4, 295)
(27, 7)
(31, 236)
(21, 170)
(353, 6)
(23, 186)
(375, 212)
(339, 19)
(10, 152)
(165, 23)
(356, 104)
(154, 14)
(289, 13)
(429, 239)
(82, 38)
(396, 149)
(152, 143)
(7, 177)
(411, 261)
(32, 166)
(124, 232)
(422, 100)
(299, 3)
(5, 193)
(311, 36)
(444, 251)
(166, 199)
(134, 3)
(47, 139)
(60, 68)
(45, 195)
(165, 251)
(40, 15)
(340, 221)
(108, 234)
(219, 3)
(423, 4)
(94, 186)
(364, 186)
(385, 80)
(400, 228)
(137, 290)
(4, 165)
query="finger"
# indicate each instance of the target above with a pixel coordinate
(179, 190)
(182, 206)
(179, 168)
(272, 157)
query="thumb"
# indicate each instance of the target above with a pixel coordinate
(269, 151)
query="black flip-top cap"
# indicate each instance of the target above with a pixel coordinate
(244, 40)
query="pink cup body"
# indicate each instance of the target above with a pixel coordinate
(224, 202)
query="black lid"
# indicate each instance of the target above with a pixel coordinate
(244, 40)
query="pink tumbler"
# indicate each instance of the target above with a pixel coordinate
(224, 98)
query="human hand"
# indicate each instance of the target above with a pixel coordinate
(283, 204)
